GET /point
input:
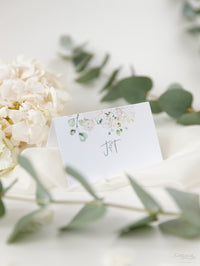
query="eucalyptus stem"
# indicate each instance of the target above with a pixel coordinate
(84, 202)
(152, 96)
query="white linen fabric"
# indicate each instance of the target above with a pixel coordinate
(180, 167)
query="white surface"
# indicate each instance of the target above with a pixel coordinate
(147, 34)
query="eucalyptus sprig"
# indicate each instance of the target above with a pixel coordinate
(191, 13)
(176, 101)
(185, 223)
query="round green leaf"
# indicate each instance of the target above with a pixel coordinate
(155, 107)
(134, 89)
(190, 119)
(175, 86)
(66, 42)
(188, 11)
(71, 122)
(81, 122)
(72, 132)
(175, 102)
(83, 136)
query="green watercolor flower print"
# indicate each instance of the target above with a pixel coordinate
(74, 123)
(116, 120)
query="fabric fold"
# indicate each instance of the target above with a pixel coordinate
(180, 167)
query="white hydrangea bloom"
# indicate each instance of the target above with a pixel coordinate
(7, 153)
(30, 96)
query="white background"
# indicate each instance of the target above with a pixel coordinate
(145, 33)
(149, 35)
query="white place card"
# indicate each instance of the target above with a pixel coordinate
(107, 142)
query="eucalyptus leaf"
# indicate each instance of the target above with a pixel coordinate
(188, 203)
(93, 73)
(5, 190)
(42, 194)
(84, 63)
(80, 49)
(111, 79)
(90, 75)
(23, 226)
(72, 132)
(176, 102)
(148, 201)
(2, 208)
(83, 136)
(188, 11)
(79, 57)
(180, 227)
(155, 107)
(82, 180)
(66, 42)
(105, 61)
(141, 223)
(175, 86)
(189, 119)
(133, 89)
(112, 95)
(194, 29)
(88, 214)
(1, 189)
(71, 122)
(81, 122)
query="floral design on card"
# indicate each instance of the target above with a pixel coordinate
(103, 144)
(115, 120)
